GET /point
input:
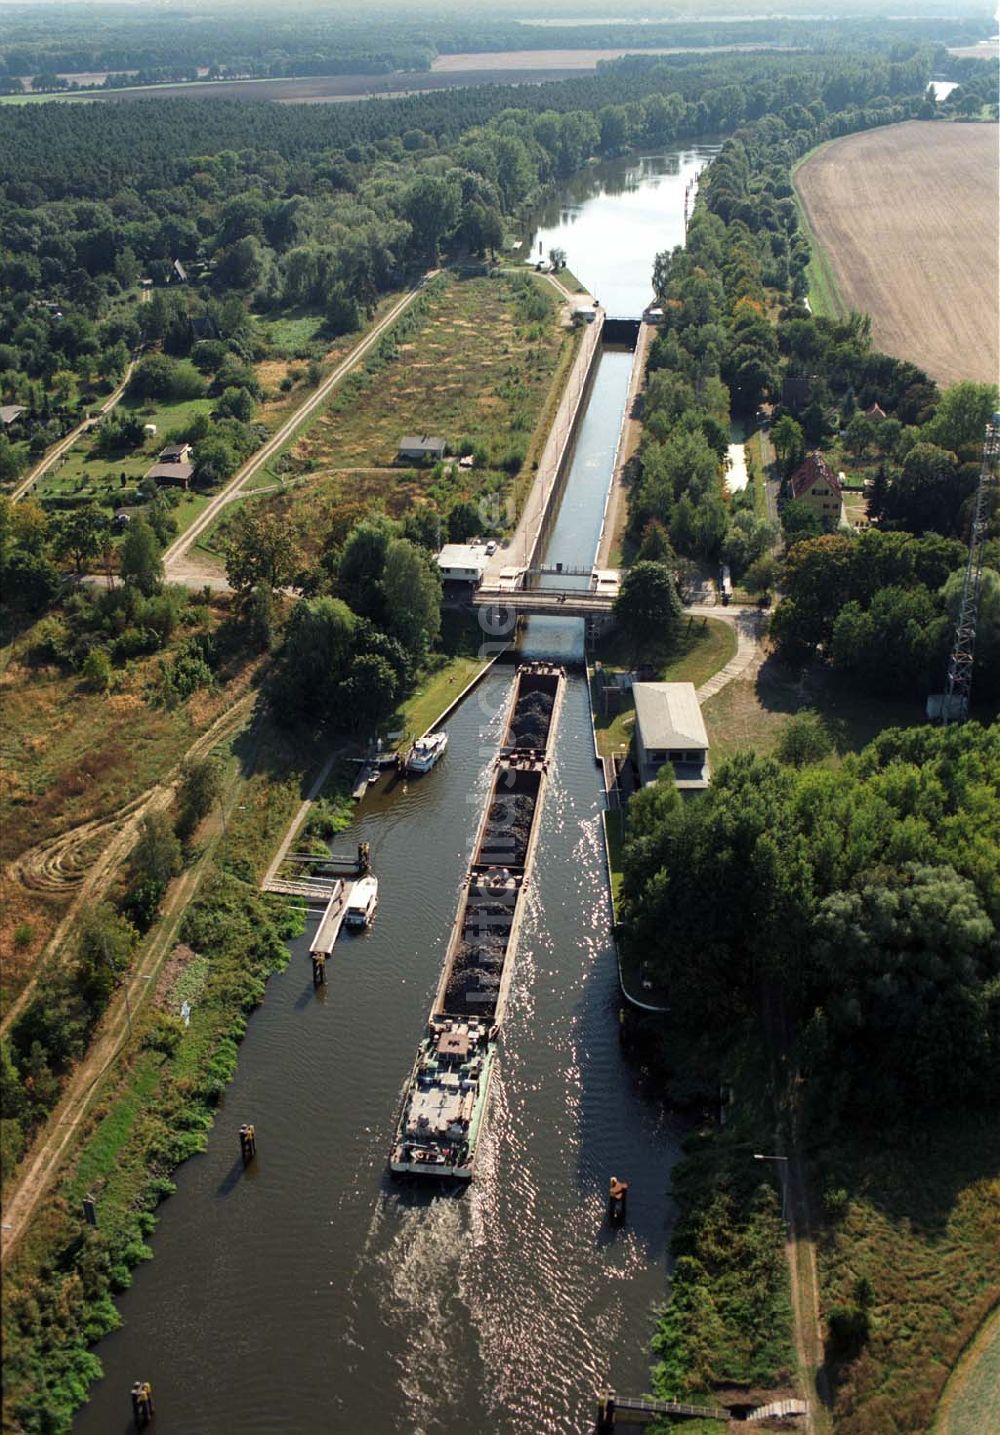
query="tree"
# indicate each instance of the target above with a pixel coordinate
(214, 461)
(368, 692)
(904, 957)
(927, 494)
(432, 206)
(861, 434)
(11, 462)
(805, 738)
(359, 571)
(762, 575)
(158, 376)
(259, 551)
(141, 563)
(789, 443)
(798, 521)
(104, 949)
(156, 856)
(236, 404)
(97, 670)
(961, 417)
(313, 661)
(79, 535)
(29, 582)
(411, 587)
(648, 608)
(201, 787)
(464, 521)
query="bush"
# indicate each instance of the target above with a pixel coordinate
(97, 670)
(158, 376)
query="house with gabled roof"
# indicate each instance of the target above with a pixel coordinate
(815, 483)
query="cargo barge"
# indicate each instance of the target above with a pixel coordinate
(444, 1105)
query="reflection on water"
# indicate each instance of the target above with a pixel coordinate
(313, 1293)
(614, 218)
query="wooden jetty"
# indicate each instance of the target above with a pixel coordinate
(616, 1411)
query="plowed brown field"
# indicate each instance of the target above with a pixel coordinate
(908, 216)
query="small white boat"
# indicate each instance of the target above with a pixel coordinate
(426, 751)
(362, 903)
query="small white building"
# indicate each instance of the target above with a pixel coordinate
(669, 728)
(463, 563)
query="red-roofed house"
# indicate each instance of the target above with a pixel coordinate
(814, 482)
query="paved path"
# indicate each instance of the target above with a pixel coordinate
(176, 555)
(749, 624)
(44, 464)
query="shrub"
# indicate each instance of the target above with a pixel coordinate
(97, 670)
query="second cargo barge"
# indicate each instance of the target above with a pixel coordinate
(444, 1104)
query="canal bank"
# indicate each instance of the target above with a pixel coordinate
(307, 1292)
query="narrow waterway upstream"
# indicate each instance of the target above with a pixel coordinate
(311, 1292)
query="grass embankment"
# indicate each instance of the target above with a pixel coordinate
(727, 1323)
(825, 299)
(759, 455)
(705, 646)
(476, 360)
(913, 1222)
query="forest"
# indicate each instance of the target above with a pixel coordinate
(47, 46)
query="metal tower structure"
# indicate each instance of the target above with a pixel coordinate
(955, 701)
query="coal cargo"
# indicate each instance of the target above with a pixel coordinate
(529, 726)
(508, 830)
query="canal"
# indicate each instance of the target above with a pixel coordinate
(311, 1292)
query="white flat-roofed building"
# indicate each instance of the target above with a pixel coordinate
(463, 563)
(669, 728)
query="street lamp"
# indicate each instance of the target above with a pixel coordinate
(783, 1160)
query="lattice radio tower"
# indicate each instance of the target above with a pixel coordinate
(954, 703)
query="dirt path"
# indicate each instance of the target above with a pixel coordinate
(44, 464)
(39, 866)
(176, 559)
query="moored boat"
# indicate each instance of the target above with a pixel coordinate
(362, 903)
(426, 751)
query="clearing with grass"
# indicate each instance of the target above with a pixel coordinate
(482, 367)
(907, 217)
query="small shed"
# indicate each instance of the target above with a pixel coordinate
(420, 448)
(669, 728)
(9, 414)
